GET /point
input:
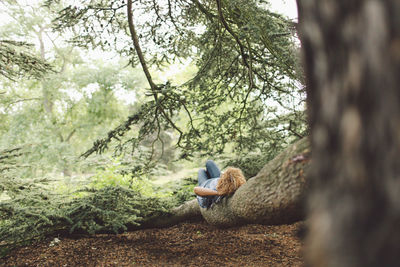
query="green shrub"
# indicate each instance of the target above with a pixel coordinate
(29, 212)
(112, 208)
(35, 212)
(114, 174)
(112, 201)
(182, 190)
(111, 176)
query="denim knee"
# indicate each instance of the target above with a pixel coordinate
(212, 169)
(202, 176)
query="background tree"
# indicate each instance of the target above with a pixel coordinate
(59, 112)
(352, 64)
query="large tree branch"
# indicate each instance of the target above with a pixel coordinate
(274, 196)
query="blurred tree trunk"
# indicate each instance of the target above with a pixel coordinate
(48, 91)
(352, 66)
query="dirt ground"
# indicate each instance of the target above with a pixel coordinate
(185, 244)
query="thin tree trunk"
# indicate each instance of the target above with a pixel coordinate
(352, 64)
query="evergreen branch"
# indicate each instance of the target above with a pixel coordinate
(203, 10)
(101, 145)
(172, 18)
(102, 8)
(226, 26)
(156, 10)
(268, 44)
(16, 60)
(13, 152)
(139, 53)
(244, 58)
(70, 135)
(190, 117)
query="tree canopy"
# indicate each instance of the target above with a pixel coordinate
(247, 88)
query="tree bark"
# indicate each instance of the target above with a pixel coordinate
(274, 196)
(352, 63)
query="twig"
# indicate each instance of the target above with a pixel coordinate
(22, 100)
(293, 131)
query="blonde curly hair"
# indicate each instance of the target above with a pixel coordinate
(230, 181)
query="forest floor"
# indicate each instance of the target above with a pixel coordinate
(185, 244)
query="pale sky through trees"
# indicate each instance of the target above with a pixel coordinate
(285, 7)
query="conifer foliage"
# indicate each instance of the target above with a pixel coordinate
(246, 91)
(17, 60)
(32, 211)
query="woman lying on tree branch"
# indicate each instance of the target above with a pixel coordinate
(213, 186)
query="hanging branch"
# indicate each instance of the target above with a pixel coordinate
(244, 58)
(16, 60)
(226, 26)
(101, 145)
(208, 14)
(139, 52)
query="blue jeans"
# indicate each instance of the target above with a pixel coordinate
(211, 171)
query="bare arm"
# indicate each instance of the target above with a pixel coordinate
(203, 192)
